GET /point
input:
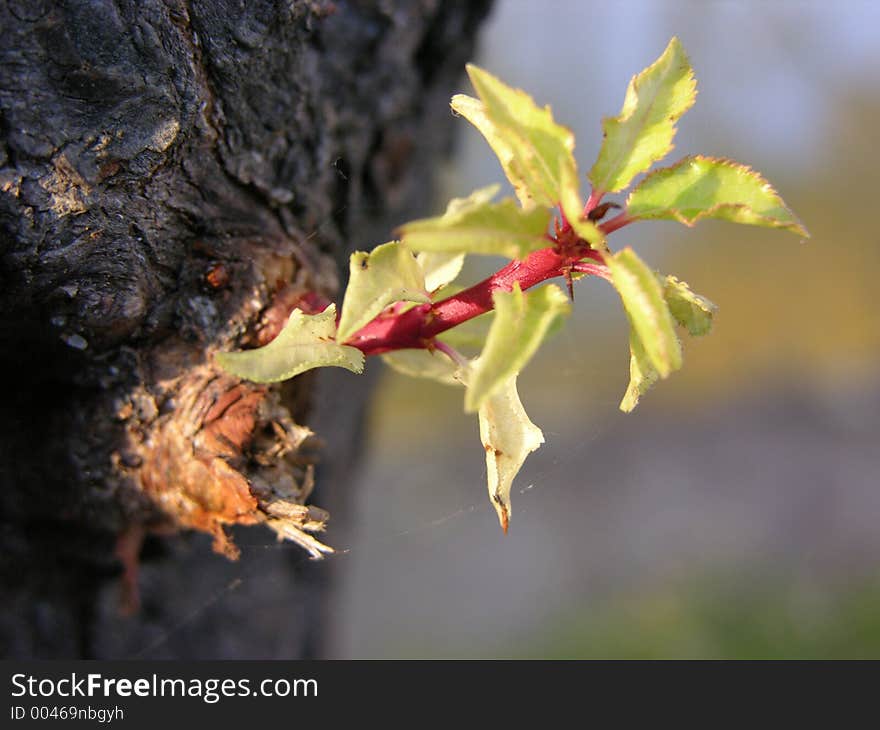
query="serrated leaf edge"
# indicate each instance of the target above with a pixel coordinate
(223, 358)
(504, 132)
(520, 246)
(670, 359)
(795, 225)
(633, 84)
(706, 305)
(399, 294)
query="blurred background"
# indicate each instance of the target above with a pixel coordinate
(736, 512)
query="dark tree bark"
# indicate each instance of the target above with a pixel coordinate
(175, 176)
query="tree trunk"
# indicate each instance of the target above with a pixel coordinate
(175, 177)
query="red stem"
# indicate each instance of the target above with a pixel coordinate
(618, 221)
(417, 327)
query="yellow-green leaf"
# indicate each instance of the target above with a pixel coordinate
(476, 225)
(520, 325)
(646, 309)
(475, 112)
(470, 335)
(440, 268)
(707, 187)
(423, 364)
(508, 437)
(643, 132)
(306, 342)
(388, 274)
(642, 374)
(689, 309)
(528, 142)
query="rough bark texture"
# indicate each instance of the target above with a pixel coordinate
(174, 176)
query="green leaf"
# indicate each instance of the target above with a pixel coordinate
(643, 132)
(573, 207)
(520, 325)
(642, 374)
(690, 310)
(440, 268)
(528, 143)
(687, 308)
(707, 187)
(388, 274)
(306, 342)
(476, 225)
(475, 112)
(646, 309)
(469, 335)
(423, 364)
(508, 437)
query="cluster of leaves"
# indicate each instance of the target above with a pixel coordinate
(397, 292)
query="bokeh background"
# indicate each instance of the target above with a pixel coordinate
(736, 512)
